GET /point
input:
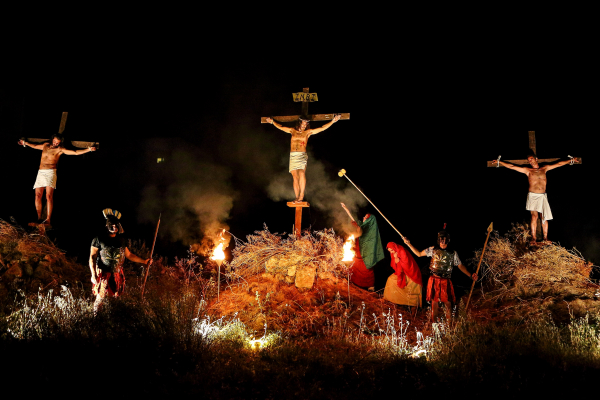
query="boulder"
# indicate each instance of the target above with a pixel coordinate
(14, 272)
(305, 276)
(272, 264)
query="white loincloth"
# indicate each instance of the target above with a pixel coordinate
(298, 160)
(45, 177)
(539, 202)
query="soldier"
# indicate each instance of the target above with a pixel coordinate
(443, 260)
(107, 270)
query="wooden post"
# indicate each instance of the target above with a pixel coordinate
(298, 219)
(305, 104)
(532, 142)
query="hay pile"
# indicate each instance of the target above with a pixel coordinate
(31, 261)
(532, 279)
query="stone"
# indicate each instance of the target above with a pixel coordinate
(326, 275)
(292, 271)
(305, 276)
(14, 272)
(271, 264)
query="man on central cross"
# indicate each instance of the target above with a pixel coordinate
(298, 156)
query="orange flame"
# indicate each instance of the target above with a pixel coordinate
(218, 253)
(348, 252)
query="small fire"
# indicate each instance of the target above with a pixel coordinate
(218, 253)
(348, 252)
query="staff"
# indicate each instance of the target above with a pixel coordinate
(151, 253)
(343, 173)
(489, 230)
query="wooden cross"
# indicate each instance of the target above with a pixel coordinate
(533, 149)
(61, 128)
(305, 97)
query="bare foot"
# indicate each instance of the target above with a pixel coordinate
(533, 243)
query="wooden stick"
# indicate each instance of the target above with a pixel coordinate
(343, 173)
(151, 253)
(489, 230)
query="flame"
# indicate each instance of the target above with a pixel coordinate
(348, 253)
(218, 253)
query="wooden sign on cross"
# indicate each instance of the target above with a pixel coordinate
(61, 128)
(532, 147)
(305, 97)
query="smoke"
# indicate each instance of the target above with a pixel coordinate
(192, 193)
(324, 191)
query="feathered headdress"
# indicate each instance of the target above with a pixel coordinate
(113, 217)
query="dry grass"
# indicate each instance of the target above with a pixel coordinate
(512, 270)
(321, 248)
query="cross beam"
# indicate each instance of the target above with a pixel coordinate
(75, 143)
(314, 117)
(532, 147)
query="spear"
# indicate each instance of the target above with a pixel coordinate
(151, 253)
(489, 230)
(343, 173)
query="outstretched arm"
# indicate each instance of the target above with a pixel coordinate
(327, 125)
(359, 230)
(347, 211)
(78, 152)
(512, 166)
(561, 163)
(418, 253)
(279, 126)
(466, 272)
(33, 146)
(132, 257)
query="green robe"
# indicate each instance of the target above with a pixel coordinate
(371, 249)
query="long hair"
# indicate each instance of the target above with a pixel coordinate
(299, 123)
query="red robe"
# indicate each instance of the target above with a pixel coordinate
(406, 266)
(361, 275)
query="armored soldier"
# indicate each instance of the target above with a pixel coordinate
(443, 260)
(107, 255)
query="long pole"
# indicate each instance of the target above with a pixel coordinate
(151, 254)
(343, 173)
(489, 230)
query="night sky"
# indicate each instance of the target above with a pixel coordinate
(417, 144)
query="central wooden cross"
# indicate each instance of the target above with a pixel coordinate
(532, 147)
(305, 97)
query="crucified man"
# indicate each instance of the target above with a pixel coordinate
(46, 177)
(298, 156)
(537, 199)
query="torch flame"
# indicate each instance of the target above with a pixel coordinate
(348, 253)
(218, 253)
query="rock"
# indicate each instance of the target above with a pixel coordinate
(271, 264)
(305, 276)
(27, 268)
(327, 275)
(43, 272)
(14, 272)
(292, 271)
